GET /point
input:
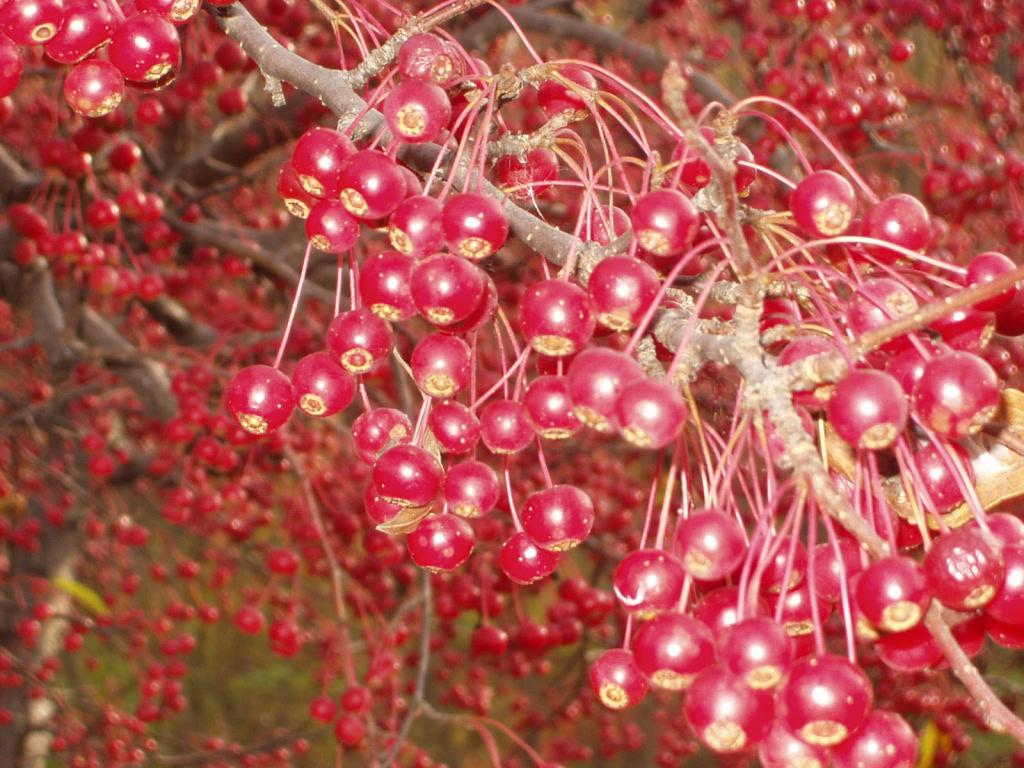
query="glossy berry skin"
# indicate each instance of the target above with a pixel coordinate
(31, 23)
(828, 575)
(524, 179)
(693, 170)
(358, 339)
(483, 313)
(651, 413)
(868, 409)
(876, 303)
(824, 699)
(966, 329)
(471, 489)
(787, 568)
(782, 749)
(446, 288)
(474, 225)
(648, 582)
(488, 640)
(885, 740)
(441, 365)
(317, 160)
(454, 426)
(408, 475)
(1008, 604)
(102, 214)
(372, 184)
(596, 376)
(260, 398)
(555, 97)
(796, 612)
(330, 227)
(938, 472)
(175, 11)
(380, 511)
(426, 57)
(322, 709)
(523, 562)
(823, 204)
(385, 285)
(441, 543)
(621, 290)
(726, 714)
(92, 88)
(984, 268)
(964, 570)
(665, 222)
(88, 24)
(145, 48)
(909, 651)
(672, 648)
(375, 430)
(957, 394)
(901, 220)
(893, 593)
(710, 544)
(504, 427)
(758, 650)
(321, 386)
(558, 518)
(617, 680)
(549, 408)
(11, 67)
(414, 227)
(417, 111)
(349, 730)
(249, 619)
(556, 318)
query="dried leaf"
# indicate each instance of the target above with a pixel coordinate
(83, 594)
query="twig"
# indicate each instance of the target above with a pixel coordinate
(422, 669)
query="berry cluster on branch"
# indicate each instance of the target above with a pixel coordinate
(686, 374)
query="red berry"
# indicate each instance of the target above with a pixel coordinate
(556, 318)
(558, 518)
(725, 713)
(883, 741)
(664, 222)
(145, 48)
(505, 427)
(868, 409)
(441, 542)
(893, 593)
(672, 648)
(824, 699)
(321, 386)
(474, 225)
(823, 204)
(415, 226)
(260, 398)
(358, 339)
(372, 184)
(957, 394)
(710, 544)
(617, 680)
(471, 489)
(417, 111)
(524, 562)
(455, 427)
(441, 365)
(446, 289)
(648, 582)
